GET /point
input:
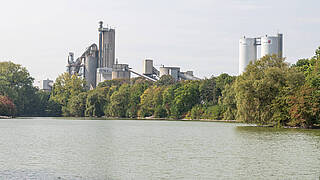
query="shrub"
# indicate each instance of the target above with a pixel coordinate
(7, 108)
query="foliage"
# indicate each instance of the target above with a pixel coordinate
(77, 105)
(196, 112)
(65, 88)
(257, 87)
(7, 107)
(229, 103)
(168, 97)
(45, 106)
(96, 102)
(209, 93)
(136, 91)
(213, 112)
(269, 92)
(186, 97)
(151, 99)
(16, 83)
(166, 80)
(305, 107)
(119, 102)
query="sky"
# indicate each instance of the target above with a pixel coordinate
(198, 35)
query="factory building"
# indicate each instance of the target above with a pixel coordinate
(46, 85)
(150, 71)
(97, 63)
(248, 48)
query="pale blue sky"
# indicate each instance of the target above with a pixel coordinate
(199, 35)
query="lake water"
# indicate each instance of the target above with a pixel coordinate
(45, 148)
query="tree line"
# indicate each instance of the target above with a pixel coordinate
(269, 92)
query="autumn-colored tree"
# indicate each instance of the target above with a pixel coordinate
(305, 107)
(7, 107)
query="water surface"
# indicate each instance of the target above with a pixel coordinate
(45, 148)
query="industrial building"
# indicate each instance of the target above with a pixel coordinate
(150, 71)
(97, 63)
(248, 48)
(46, 85)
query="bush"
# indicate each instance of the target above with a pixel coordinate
(213, 112)
(160, 112)
(7, 108)
(196, 112)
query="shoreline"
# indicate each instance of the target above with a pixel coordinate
(164, 119)
(5, 117)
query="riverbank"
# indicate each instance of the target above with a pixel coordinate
(171, 119)
(5, 117)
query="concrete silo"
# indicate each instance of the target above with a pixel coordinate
(91, 63)
(148, 67)
(247, 52)
(173, 71)
(120, 71)
(106, 46)
(272, 45)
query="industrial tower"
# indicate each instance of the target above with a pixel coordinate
(248, 49)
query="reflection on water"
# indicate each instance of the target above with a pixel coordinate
(122, 149)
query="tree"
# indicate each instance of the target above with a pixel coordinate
(222, 80)
(136, 90)
(151, 102)
(166, 80)
(257, 87)
(96, 102)
(186, 97)
(229, 102)
(65, 87)
(77, 105)
(208, 90)
(46, 107)
(119, 101)
(7, 107)
(168, 97)
(305, 107)
(16, 83)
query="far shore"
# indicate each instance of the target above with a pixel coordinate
(5, 117)
(163, 119)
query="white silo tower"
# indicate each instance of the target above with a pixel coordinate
(247, 52)
(272, 45)
(91, 63)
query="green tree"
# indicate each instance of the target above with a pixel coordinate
(166, 80)
(222, 80)
(168, 98)
(119, 101)
(16, 83)
(229, 102)
(136, 90)
(209, 93)
(77, 105)
(151, 102)
(257, 87)
(65, 87)
(196, 112)
(97, 100)
(186, 97)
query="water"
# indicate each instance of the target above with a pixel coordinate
(121, 149)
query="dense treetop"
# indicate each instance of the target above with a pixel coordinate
(269, 92)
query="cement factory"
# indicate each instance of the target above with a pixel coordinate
(98, 63)
(248, 49)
